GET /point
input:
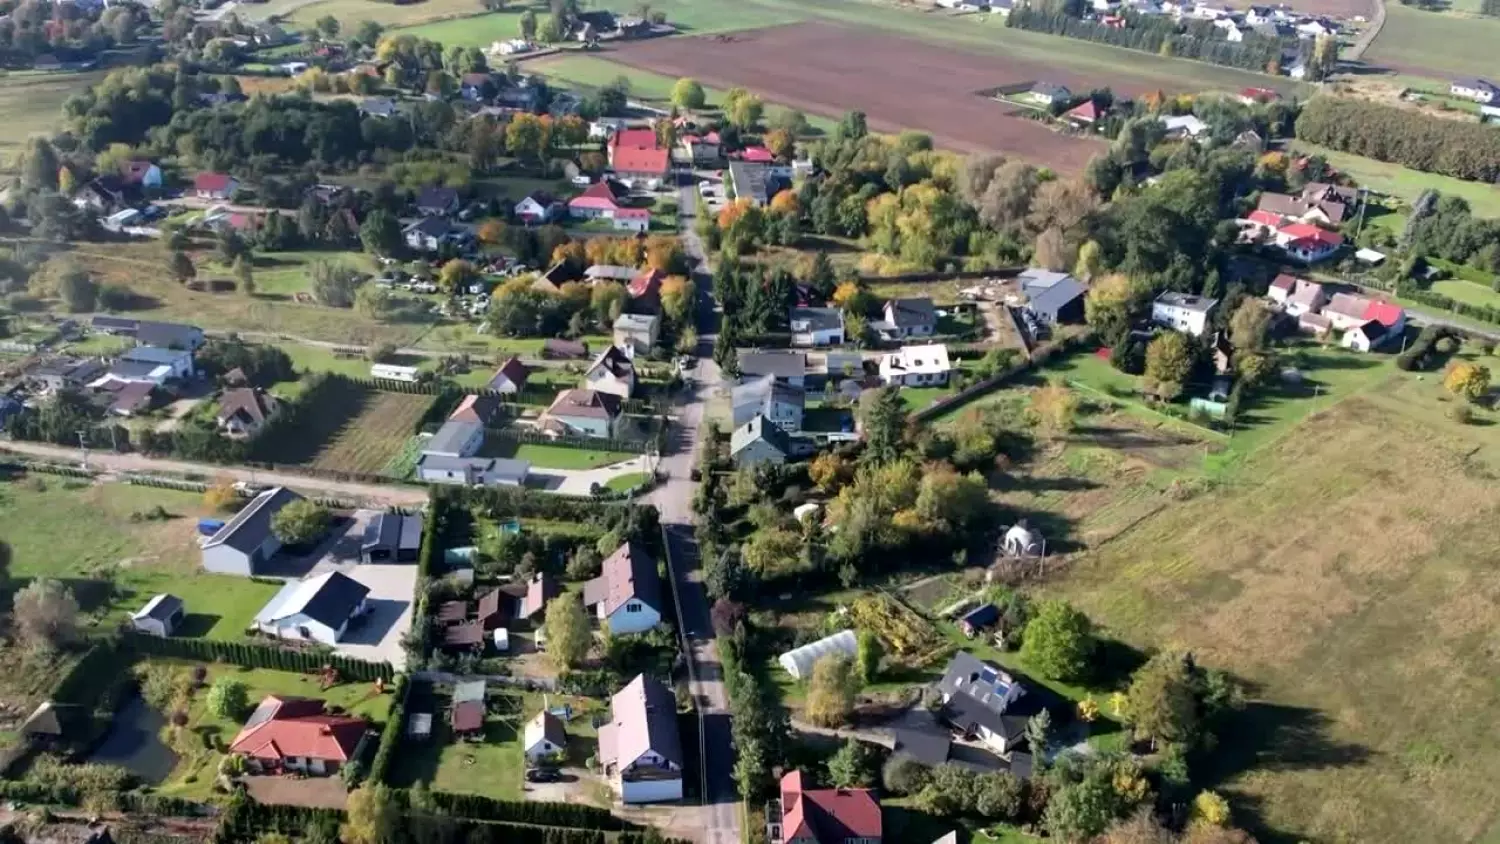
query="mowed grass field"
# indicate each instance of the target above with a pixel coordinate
(32, 105)
(389, 15)
(368, 441)
(1407, 183)
(1344, 570)
(93, 535)
(1435, 44)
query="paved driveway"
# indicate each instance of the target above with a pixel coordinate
(377, 636)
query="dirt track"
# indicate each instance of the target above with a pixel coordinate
(899, 83)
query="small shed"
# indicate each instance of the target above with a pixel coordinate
(160, 616)
(799, 662)
(468, 717)
(469, 634)
(979, 619)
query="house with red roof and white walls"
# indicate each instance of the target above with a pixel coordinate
(804, 815)
(298, 734)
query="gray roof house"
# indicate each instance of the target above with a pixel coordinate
(579, 412)
(627, 595)
(759, 441)
(907, 318)
(816, 326)
(316, 610)
(1054, 297)
(472, 471)
(160, 616)
(169, 335)
(788, 366)
(979, 698)
(752, 181)
(392, 538)
(456, 438)
(765, 396)
(246, 541)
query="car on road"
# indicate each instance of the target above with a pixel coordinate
(543, 775)
(687, 362)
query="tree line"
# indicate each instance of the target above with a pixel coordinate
(1156, 34)
(1432, 144)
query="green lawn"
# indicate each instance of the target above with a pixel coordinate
(588, 71)
(1406, 183)
(1440, 44)
(625, 483)
(193, 778)
(554, 456)
(1468, 292)
(99, 344)
(478, 31)
(41, 518)
(285, 274)
(32, 105)
(390, 15)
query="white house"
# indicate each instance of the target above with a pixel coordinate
(637, 331)
(627, 594)
(179, 361)
(612, 372)
(582, 413)
(246, 541)
(781, 403)
(1183, 126)
(1346, 311)
(1183, 312)
(315, 610)
(539, 207)
(916, 366)
(392, 372)
(544, 736)
(1365, 337)
(799, 662)
(817, 326)
(640, 749)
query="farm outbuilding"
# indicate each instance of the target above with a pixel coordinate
(799, 662)
(160, 616)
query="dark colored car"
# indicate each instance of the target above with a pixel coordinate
(543, 775)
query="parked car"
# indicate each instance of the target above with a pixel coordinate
(543, 775)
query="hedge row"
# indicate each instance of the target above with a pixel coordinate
(256, 655)
(63, 794)
(390, 739)
(538, 814)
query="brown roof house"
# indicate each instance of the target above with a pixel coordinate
(298, 734)
(628, 594)
(510, 378)
(640, 748)
(583, 413)
(540, 591)
(1319, 202)
(243, 411)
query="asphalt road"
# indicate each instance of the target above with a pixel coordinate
(674, 500)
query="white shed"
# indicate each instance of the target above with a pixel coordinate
(800, 661)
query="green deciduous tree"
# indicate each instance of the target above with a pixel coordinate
(1058, 641)
(1168, 362)
(852, 766)
(568, 635)
(688, 94)
(301, 522)
(1162, 704)
(228, 698)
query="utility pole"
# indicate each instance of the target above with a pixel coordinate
(83, 443)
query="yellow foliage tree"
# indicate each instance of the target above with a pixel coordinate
(491, 232)
(1470, 380)
(1088, 710)
(1210, 809)
(785, 202)
(221, 497)
(733, 211)
(664, 253)
(830, 693)
(781, 144)
(571, 252)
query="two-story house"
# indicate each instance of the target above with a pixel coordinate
(627, 595)
(907, 318)
(640, 749)
(1183, 312)
(779, 402)
(805, 815)
(613, 372)
(817, 326)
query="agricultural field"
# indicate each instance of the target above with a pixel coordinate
(300, 13)
(377, 429)
(32, 105)
(1124, 69)
(828, 69)
(140, 541)
(1405, 183)
(1435, 45)
(197, 743)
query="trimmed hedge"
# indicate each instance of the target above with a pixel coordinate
(390, 739)
(538, 814)
(256, 655)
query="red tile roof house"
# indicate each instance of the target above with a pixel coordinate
(1388, 315)
(645, 290)
(604, 200)
(640, 748)
(215, 185)
(823, 815)
(297, 734)
(1307, 243)
(1085, 112)
(637, 157)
